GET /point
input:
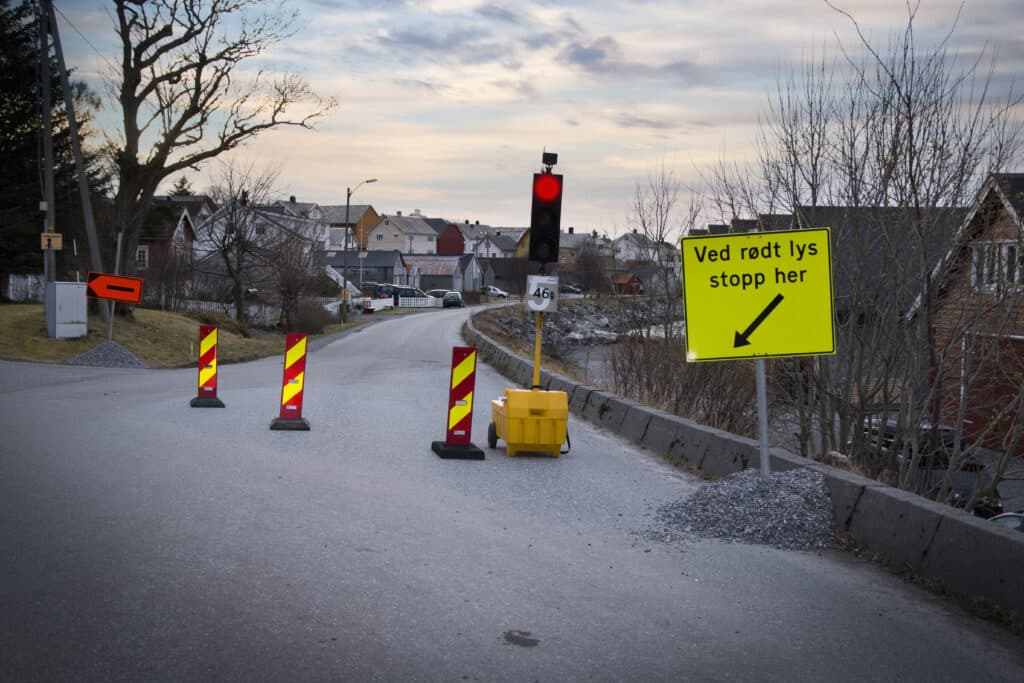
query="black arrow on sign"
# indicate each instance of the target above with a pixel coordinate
(743, 339)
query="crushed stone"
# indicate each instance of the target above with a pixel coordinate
(108, 355)
(789, 510)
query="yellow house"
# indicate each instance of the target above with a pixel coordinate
(361, 219)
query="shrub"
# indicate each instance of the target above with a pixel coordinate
(311, 318)
(221, 320)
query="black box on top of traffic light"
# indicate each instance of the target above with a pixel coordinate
(545, 217)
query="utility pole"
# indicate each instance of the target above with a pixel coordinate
(344, 254)
(95, 258)
(47, 29)
(49, 257)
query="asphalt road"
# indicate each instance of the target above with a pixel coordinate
(141, 539)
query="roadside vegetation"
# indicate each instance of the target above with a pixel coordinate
(161, 339)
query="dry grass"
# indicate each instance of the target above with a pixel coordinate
(159, 338)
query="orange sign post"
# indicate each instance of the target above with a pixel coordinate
(114, 287)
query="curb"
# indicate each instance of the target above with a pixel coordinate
(969, 555)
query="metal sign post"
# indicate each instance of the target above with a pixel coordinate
(541, 297)
(758, 295)
(117, 271)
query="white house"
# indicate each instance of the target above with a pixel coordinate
(407, 234)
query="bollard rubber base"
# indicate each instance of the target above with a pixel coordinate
(206, 402)
(294, 424)
(453, 452)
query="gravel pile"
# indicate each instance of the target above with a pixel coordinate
(108, 355)
(790, 510)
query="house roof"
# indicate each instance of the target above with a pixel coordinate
(883, 248)
(642, 240)
(374, 259)
(414, 225)
(162, 220)
(298, 209)
(433, 264)
(1008, 190)
(335, 213)
(503, 242)
(506, 267)
(574, 240)
(194, 203)
(438, 224)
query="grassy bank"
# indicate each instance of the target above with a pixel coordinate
(161, 339)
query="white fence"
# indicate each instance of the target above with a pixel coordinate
(419, 302)
(258, 314)
(26, 287)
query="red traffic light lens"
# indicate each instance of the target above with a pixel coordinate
(547, 187)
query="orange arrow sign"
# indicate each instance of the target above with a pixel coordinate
(114, 287)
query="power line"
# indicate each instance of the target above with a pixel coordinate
(99, 54)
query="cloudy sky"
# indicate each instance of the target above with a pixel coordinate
(451, 102)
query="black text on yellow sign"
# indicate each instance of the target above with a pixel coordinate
(749, 295)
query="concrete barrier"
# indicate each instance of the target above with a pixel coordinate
(971, 556)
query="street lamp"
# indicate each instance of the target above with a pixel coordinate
(344, 253)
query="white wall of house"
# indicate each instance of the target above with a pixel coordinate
(406, 234)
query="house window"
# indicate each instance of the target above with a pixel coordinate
(998, 265)
(142, 258)
(430, 238)
(380, 237)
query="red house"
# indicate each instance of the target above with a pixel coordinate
(627, 283)
(978, 324)
(450, 241)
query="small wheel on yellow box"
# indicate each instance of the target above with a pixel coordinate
(492, 436)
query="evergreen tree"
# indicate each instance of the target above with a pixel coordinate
(21, 220)
(182, 188)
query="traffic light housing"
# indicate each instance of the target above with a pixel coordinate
(545, 217)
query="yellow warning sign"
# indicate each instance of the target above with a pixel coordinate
(750, 295)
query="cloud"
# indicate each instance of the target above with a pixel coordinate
(522, 88)
(631, 121)
(599, 56)
(498, 14)
(420, 84)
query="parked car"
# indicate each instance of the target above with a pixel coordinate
(491, 290)
(452, 300)
(882, 432)
(986, 508)
(1011, 520)
(437, 293)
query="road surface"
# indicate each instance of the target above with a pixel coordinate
(141, 539)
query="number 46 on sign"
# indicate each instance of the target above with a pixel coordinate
(542, 293)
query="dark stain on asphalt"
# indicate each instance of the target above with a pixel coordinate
(521, 638)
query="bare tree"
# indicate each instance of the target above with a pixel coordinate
(231, 254)
(886, 147)
(183, 98)
(656, 223)
(591, 269)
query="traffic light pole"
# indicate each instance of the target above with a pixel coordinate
(536, 351)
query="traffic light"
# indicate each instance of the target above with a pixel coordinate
(545, 217)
